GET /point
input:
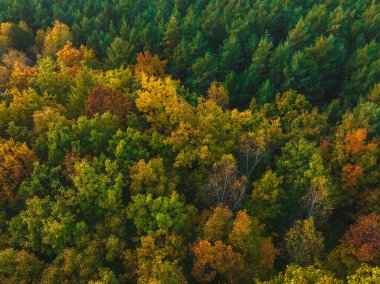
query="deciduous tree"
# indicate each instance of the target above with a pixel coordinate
(304, 244)
(16, 162)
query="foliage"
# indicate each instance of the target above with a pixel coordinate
(304, 244)
(164, 141)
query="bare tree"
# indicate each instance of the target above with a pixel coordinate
(227, 185)
(253, 148)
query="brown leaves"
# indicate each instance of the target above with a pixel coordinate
(150, 65)
(234, 249)
(350, 176)
(363, 238)
(102, 99)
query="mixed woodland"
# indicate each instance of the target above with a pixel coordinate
(178, 141)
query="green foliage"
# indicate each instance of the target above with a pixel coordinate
(365, 274)
(164, 141)
(268, 196)
(307, 275)
(119, 53)
(19, 267)
(304, 244)
(160, 216)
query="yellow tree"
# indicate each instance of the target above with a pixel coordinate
(150, 65)
(56, 38)
(247, 237)
(355, 154)
(160, 262)
(202, 133)
(74, 57)
(218, 93)
(216, 261)
(304, 244)
(218, 225)
(152, 178)
(16, 162)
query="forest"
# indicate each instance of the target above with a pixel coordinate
(178, 141)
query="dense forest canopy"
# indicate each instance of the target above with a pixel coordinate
(323, 49)
(160, 141)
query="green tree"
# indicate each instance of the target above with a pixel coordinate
(231, 55)
(268, 196)
(119, 53)
(19, 267)
(161, 215)
(307, 275)
(365, 274)
(304, 244)
(171, 36)
(79, 92)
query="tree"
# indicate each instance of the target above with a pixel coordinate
(150, 65)
(190, 127)
(354, 155)
(300, 35)
(204, 71)
(92, 135)
(266, 92)
(52, 80)
(160, 262)
(160, 102)
(22, 106)
(307, 275)
(74, 57)
(19, 267)
(218, 93)
(293, 164)
(119, 53)
(218, 225)
(304, 244)
(5, 43)
(227, 185)
(363, 71)
(214, 261)
(259, 64)
(104, 99)
(171, 36)
(267, 196)
(56, 38)
(362, 239)
(16, 162)
(162, 215)
(247, 237)
(26, 228)
(365, 274)
(15, 59)
(328, 53)
(231, 55)
(84, 81)
(21, 37)
(318, 199)
(152, 178)
(302, 75)
(127, 147)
